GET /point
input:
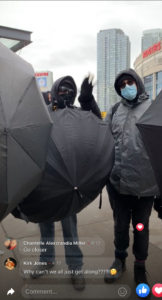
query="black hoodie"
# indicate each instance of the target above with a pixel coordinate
(55, 89)
(85, 105)
(45, 96)
(141, 92)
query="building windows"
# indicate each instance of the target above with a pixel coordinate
(113, 55)
(148, 83)
(158, 82)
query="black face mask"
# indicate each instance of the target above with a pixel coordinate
(64, 97)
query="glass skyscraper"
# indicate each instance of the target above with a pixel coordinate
(150, 37)
(113, 56)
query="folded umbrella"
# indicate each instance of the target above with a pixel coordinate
(79, 161)
(150, 127)
(25, 128)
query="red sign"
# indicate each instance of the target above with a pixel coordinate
(152, 49)
(41, 74)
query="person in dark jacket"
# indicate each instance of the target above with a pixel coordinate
(47, 97)
(67, 98)
(132, 185)
(63, 93)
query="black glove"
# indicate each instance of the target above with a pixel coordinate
(87, 88)
(59, 103)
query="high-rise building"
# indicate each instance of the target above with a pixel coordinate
(150, 37)
(113, 56)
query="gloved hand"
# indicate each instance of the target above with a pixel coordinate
(87, 87)
(61, 103)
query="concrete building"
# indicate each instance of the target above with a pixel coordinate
(150, 37)
(113, 55)
(44, 80)
(14, 39)
(148, 66)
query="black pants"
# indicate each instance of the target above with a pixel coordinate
(124, 208)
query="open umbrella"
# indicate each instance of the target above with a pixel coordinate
(150, 127)
(25, 128)
(79, 161)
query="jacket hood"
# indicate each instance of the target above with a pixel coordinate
(45, 96)
(60, 82)
(141, 92)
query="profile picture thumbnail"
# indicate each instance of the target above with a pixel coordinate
(10, 244)
(10, 263)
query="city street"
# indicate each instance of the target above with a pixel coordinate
(93, 225)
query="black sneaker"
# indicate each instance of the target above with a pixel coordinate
(78, 281)
(120, 266)
(39, 270)
(140, 276)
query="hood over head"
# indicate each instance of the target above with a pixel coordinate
(45, 96)
(130, 73)
(66, 81)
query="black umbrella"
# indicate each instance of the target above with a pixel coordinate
(150, 127)
(80, 158)
(25, 128)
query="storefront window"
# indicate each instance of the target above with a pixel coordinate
(148, 83)
(158, 82)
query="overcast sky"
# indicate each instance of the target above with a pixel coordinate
(65, 32)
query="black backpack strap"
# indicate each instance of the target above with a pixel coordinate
(114, 108)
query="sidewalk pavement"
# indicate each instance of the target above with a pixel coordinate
(93, 225)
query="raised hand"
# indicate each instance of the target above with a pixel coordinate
(87, 86)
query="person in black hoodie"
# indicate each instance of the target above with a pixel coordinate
(63, 93)
(132, 186)
(47, 97)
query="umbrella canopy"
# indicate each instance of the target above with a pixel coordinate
(25, 128)
(79, 161)
(150, 127)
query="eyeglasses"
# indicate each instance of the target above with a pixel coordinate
(123, 84)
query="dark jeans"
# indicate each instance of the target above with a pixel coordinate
(73, 254)
(124, 208)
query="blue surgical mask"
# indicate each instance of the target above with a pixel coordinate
(129, 92)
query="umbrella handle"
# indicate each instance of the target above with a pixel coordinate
(76, 189)
(80, 194)
(100, 204)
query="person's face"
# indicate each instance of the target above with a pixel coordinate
(128, 82)
(13, 243)
(7, 243)
(49, 96)
(62, 93)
